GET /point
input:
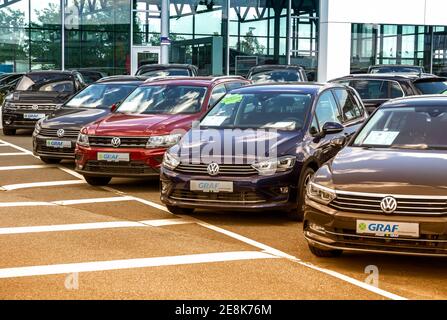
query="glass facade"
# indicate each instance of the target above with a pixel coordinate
(215, 35)
(399, 44)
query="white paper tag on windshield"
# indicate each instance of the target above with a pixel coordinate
(381, 138)
(213, 120)
(281, 125)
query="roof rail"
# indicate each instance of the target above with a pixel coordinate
(158, 78)
(227, 77)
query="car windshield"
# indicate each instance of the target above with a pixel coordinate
(405, 128)
(431, 87)
(164, 73)
(46, 82)
(372, 89)
(100, 95)
(270, 110)
(276, 76)
(165, 99)
(400, 69)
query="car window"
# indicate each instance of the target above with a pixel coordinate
(327, 109)
(431, 87)
(54, 82)
(218, 92)
(234, 85)
(276, 76)
(164, 73)
(350, 109)
(372, 89)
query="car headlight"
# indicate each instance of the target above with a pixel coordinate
(170, 161)
(271, 166)
(320, 193)
(37, 128)
(165, 141)
(9, 106)
(83, 140)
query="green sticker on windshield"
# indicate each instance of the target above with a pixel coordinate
(232, 98)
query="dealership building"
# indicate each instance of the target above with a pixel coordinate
(329, 38)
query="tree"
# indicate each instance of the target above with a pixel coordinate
(251, 45)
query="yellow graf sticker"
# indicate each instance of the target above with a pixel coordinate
(231, 98)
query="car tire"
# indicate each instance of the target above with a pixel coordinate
(9, 132)
(98, 181)
(50, 160)
(178, 210)
(321, 253)
(298, 213)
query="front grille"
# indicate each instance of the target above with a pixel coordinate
(426, 244)
(35, 107)
(132, 167)
(405, 206)
(246, 197)
(126, 142)
(45, 149)
(53, 133)
(224, 169)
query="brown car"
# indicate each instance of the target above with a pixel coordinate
(386, 191)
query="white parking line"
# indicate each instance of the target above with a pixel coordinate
(93, 225)
(37, 166)
(92, 200)
(132, 263)
(25, 204)
(14, 154)
(41, 184)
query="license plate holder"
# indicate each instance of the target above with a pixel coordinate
(33, 116)
(59, 144)
(113, 157)
(211, 186)
(390, 229)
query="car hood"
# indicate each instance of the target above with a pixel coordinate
(73, 118)
(228, 145)
(121, 124)
(40, 97)
(409, 172)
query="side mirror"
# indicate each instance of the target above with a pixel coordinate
(332, 127)
(113, 107)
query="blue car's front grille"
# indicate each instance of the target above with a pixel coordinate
(224, 169)
(228, 197)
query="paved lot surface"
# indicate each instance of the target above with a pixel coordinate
(61, 238)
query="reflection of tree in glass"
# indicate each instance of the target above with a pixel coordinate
(13, 45)
(251, 45)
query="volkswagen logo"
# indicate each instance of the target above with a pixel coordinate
(35, 107)
(60, 133)
(388, 205)
(213, 169)
(116, 142)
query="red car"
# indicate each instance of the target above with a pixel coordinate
(131, 141)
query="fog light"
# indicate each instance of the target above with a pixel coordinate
(8, 121)
(316, 227)
(80, 167)
(284, 190)
(164, 187)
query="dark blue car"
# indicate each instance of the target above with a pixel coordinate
(258, 148)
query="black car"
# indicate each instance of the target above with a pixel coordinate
(54, 137)
(395, 68)
(91, 76)
(38, 94)
(277, 73)
(386, 191)
(258, 148)
(164, 70)
(376, 89)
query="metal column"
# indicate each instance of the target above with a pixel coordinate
(164, 31)
(289, 31)
(63, 34)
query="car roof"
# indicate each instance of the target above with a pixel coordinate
(297, 87)
(66, 72)
(436, 100)
(263, 67)
(166, 66)
(389, 76)
(198, 81)
(123, 79)
(395, 65)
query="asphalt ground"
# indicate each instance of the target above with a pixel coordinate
(63, 239)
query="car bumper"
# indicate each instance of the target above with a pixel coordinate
(143, 162)
(340, 232)
(42, 150)
(16, 120)
(252, 193)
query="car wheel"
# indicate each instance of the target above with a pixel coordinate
(98, 181)
(305, 177)
(50, 160)
(9, 132)
(325, 253)
(178, 210)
